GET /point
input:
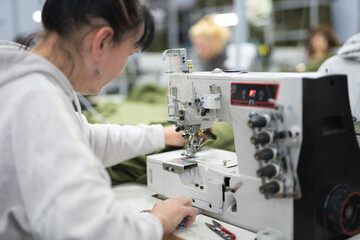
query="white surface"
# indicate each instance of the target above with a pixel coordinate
(336, 64)
(138, 197)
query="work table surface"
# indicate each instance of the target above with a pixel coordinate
(137, 197)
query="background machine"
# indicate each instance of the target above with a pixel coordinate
(295, 173)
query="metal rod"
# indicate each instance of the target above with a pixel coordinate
(173, 24)
(241, 28)
(15, 17)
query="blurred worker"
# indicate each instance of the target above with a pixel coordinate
(53, 184)
(322, 42)
(209, 41)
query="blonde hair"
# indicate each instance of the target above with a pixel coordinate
(208, 27)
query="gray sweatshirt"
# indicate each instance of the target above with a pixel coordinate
(53, 184)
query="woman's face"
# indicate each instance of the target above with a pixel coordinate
(319, 42)
(113, 61)
(206, 47)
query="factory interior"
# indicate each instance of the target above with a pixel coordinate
(240, 120)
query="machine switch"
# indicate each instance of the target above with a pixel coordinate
(270, 188)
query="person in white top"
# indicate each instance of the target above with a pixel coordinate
(53, 184)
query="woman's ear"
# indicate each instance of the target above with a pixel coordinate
(101, 41)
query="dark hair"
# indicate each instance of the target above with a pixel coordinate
(66, 17)
(27, 42)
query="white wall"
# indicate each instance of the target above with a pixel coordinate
(16, 18)
(346, 18)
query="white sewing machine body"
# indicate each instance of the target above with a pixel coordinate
(266, 113)
(242, 166)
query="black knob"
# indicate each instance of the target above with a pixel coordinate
(261, 138)
(258, 121)
(178, 129)
(267, 171)
(270, 188)
(342, 211)
(265, 154)
(283, 134)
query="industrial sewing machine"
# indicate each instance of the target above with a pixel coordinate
(295, 173)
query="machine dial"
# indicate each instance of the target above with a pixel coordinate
(262, 138)
(266, 154)
(268, 171)
(259, 121)
(270, 188)
(342, 211)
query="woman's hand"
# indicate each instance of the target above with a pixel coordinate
(173, 211)
(173, 138)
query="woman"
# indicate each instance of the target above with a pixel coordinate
(322, 42)
(209, 41)
(52, 182)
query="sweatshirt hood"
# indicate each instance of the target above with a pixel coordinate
(16, 62)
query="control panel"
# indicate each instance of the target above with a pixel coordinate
(270, 137)
(253, 94)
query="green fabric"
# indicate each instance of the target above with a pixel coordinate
(220, 137)
(132, 170)
(149, 93)
(148, 105)
(130, 112)
(313, 66)
(357, 127)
